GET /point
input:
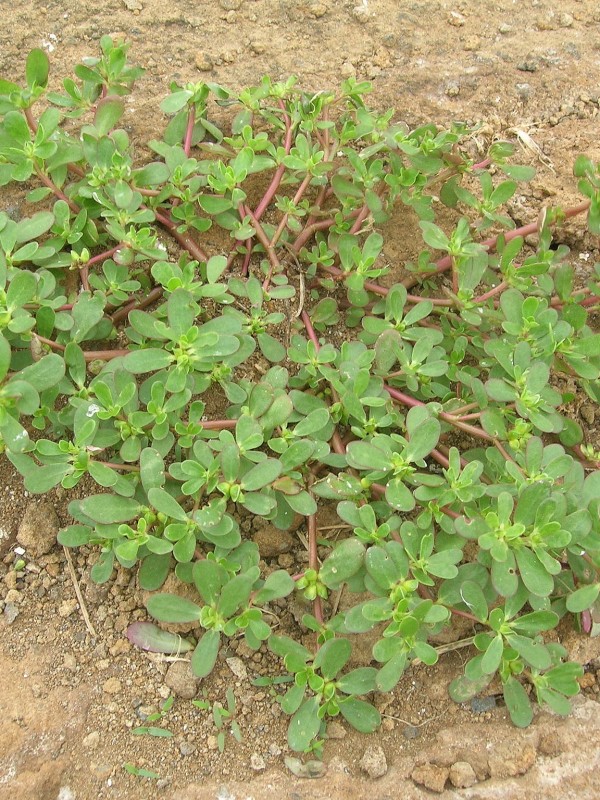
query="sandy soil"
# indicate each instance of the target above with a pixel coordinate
(70, 700)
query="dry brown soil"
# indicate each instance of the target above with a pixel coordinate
(69, 701)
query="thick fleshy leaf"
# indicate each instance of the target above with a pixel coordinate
(360, 714)
(148, 636)
(205, 655)
(172, 608)
(343, 563)
(304, 725)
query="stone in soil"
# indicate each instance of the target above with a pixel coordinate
(182, 680)
(462, 775)
(431, 776)
(38, 529)
(374, 762)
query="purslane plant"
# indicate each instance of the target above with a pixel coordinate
(293, 366)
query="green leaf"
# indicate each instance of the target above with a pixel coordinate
(533, 573)
(236, 592)
(332, 657)
(473, 597)
(364, 455)
(583, 598)
(261, 475)
(359, 681)
(109, 111)
(492, 656)
(172, 608)
(517, 702)
(343, 563)
(37, 67)
(74, 535)
(148, 360)
(154, 570)
(463, 689)
(162, 501)
(109, 508)
(209, 578)
(361, 715)
(278, 584)
(205, 655)
(423, 440)
(304, 725)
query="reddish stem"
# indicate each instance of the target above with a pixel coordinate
(189, 131)
(279, 172)
(186, 242)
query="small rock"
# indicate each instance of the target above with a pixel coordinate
(505, 28)
(65, 793)
(112, 686)
(203, 62)
(92, 740)
(462, 775)
(101, 771)
(67, 607)
(237, 666)
(587, 411)
(411, 732)
(38, 529)
(456, 19)
(528, 66)
(430, 776)
(311, 769)
(453, 89)
(472, 43)
(481, 704)
(523, 90)
(211, 742)
(318, 10)
(257, 762)
(272, 542)
(361, 13)
(133, 5)
(347, 69)
(10, 579)
(335, 730)
(565, 20)
(13, 596)
(587, 680)
(69, 662)
(187, 748)
(182, 680)
(11, 612)
(274, 749)
(374, 762)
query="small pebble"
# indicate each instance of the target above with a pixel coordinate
(411, 732)
(112, 686)
(203, 62)
(11, 612)
(374, 762)
(182, 680)
(92, 740)
(462, 775)
(481, 704)
(257, 762)
(187, 748)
